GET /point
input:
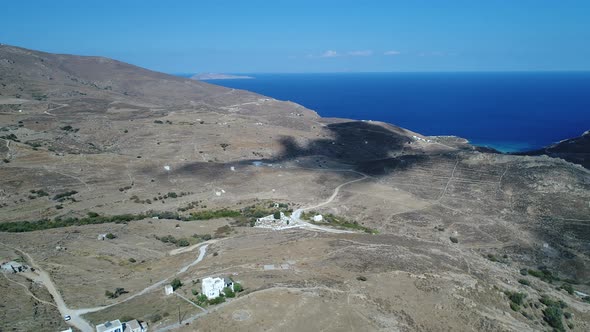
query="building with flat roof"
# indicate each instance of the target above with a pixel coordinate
(213, 287)
(112, 326)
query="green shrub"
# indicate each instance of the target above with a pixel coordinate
(217, 300)
(517, 298)
(111, 236)
(238, 287)
(214, 214)
(514, 306)
(552, 316)
(201, 299)
(277, 215)
(195, 292)
(183, 243)
(176, 284)
(228, 292)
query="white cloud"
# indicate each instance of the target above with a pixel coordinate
(329, 54)
(392, 53)
(360, 53)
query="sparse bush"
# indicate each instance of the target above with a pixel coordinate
(64, 195)
(568, 288)
(514, 306)
(155, 318)
(132, 260)
(238, 287)
(544, 274)
(524, 282)
(195, 292)
(361, 278)
(454, 239)
(126, 318)
(111, 236)
(552, 316)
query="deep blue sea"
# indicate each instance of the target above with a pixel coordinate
(507, 111)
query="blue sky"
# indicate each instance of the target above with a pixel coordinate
(310, 36)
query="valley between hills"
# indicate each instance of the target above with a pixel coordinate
(117, 180)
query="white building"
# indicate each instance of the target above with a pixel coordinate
(318, 218)
(168, 289)
(113, 326)
(213, 287)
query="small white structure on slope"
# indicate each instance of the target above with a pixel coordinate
(134, 326)
(112, 326)
(318, 218)
(168, 290)
(213, 287)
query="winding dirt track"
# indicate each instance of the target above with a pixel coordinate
(77, 321)
(296, 215)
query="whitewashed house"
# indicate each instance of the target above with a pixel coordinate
(168, 290)
(318, 218)
(112, 326)
(213, 287)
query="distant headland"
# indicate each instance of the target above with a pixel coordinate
(217, 76)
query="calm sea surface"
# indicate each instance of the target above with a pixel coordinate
(507, 111)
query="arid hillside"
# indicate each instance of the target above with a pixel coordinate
(116, 180)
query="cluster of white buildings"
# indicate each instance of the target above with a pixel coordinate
(270, 222)
(117, 326)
